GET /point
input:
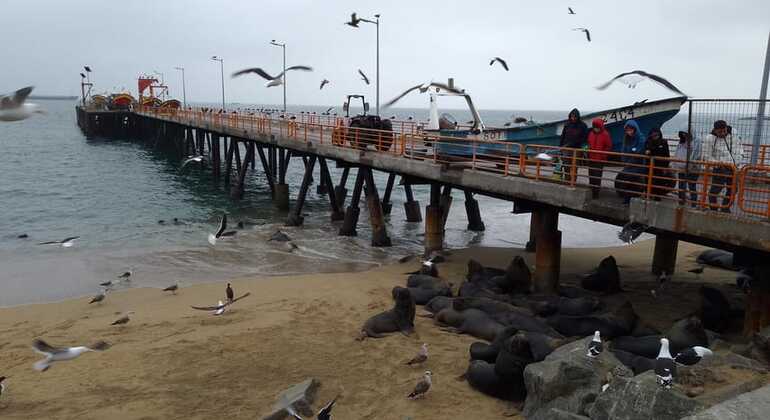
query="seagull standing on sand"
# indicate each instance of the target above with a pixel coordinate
(173, 288)
(631, 82)
(422, 386)
(221, 231)
(99, 297)
(271, 80)
(588, 34)
(499, 60)
(420, 357)
(665, 368)
(692, 355)
(363, 76)
(123, 319)
(55, 354)
(595, 346)
(14, 107)
(324, 82)
(66, 242)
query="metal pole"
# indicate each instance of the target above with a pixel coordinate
(284, 78)
(222, 72)
(759, 125)
(378, 65)
(184, 90)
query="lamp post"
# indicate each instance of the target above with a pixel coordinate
(376, 22)
(283, 46)
(222, 72)
(162, 82)
(184, 89)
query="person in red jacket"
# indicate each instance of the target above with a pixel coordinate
(599, 141)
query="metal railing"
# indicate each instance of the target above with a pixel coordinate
(742, 190)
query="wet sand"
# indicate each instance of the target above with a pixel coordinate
(173, 362)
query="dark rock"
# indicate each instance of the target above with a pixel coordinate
(605, 278)
(754, 405)
(567, 379)
(556, 414)
(641, 398)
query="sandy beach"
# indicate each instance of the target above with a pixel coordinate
(173, 362)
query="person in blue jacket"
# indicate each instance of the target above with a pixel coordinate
(633, 143)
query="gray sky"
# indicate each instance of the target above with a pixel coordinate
(707, 48)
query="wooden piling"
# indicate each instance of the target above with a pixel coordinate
(411, 206)
(475, 224)
(351, 214)
(548, 250)
(387, 206)
(295, 217)
(434, 226)
(376, 217)
(340, 191)
(326, 178)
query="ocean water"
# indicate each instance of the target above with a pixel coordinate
(113, 194)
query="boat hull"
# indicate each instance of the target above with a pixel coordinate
(647, 115)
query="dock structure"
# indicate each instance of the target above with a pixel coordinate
(236, 143)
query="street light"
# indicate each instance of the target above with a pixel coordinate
(376, 21)
(184, 89)
(222, 70)
(284, 71)
(162, 81)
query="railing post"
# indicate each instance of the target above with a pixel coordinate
(573, 168)
(650, 172)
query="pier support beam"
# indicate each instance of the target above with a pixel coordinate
(326, 179)
(446, 204)
(387, 206)
(434, 224)
(475, 224)
(664, 255)
(237, 190)
(340, 191)
(351, 214)
(411, 206)
(376, 216)
(548, 250)
(531, 243)
(296, 218)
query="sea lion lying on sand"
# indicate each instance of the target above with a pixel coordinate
(488, 351)
(424, 288)
(687, 332)
(618, 322)
(438, 303)
(717, 258)
(400, 318)
(470, 321)
(507, 315)
(605, 278)
(505, 378)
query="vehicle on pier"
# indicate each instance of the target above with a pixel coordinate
(491, 141)
(364, 129)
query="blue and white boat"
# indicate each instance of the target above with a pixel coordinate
(647, 114)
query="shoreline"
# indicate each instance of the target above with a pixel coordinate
(171, 361)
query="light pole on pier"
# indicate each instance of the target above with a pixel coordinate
(162, 82)
(184, 89)
(375, 21)
(283, 46)
(222, 72)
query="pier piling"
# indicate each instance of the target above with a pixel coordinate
(296, 218)
(411, 206)
(351, 214)
(434, 223)
(664, 255)
(387, 206)
(326, 178)
(547, 250)
(376, 216)
(475, 224)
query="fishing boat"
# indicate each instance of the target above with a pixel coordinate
(121, 101)
(151, 102)
(171, 104)
(490, 140)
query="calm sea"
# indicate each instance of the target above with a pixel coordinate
(54, 184)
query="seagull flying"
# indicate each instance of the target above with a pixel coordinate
(641, 75)
(126, 275)
(631, 231)
(88, 69)
(422, 87)
(326, 411)
(501, 61)
(324, 82)
(123, 319)
(363, 76)
(665, 368)
(353, 21)
(219, 308)
(421, 356)
(271, 80)
(221, 231)
(422, 387)
(191, 159)
(173, 288)
(588, 34)
(571, 12)
(595, 346)
(692, 355)
(58, 354)
(66, 242)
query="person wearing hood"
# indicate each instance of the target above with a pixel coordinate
(599, 141)
(633, 143)
(573, 135)
(656, 147)
(688, 151)
(724, 153)
(631, 180)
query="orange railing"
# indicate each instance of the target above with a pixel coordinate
(744, 191)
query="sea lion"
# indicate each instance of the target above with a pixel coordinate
(566, 306)
(714, 309)
(438, 303)
(516, 279)
(423, 280)
(687, 332)
(605, 278)
(642, 330)
(481, 376)
(399, 318)
(488, 351)
(477, 272)
(505, 314)
(717, 258)
(618, 322)
(636, 363)
(470, 321)
(541, 345)
(423, 295)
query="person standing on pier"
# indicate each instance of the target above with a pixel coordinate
(631, 181)
(723, 152)
(573, 135)
(599, 141)
(657, 149)
(688, 151)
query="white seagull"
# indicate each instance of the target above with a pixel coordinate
(54, 354)
(543, 156)
(193, 159)
(422, 386)
(99, 297)
(595, 346)
(271, 80)
(632, 78)
(2, 385)
(421, 355)
(66, 242)
(588, 34)
(123, 319)
(14, 107)
(692, 355)
(220, 233)
(665, 368)
(422, 87)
